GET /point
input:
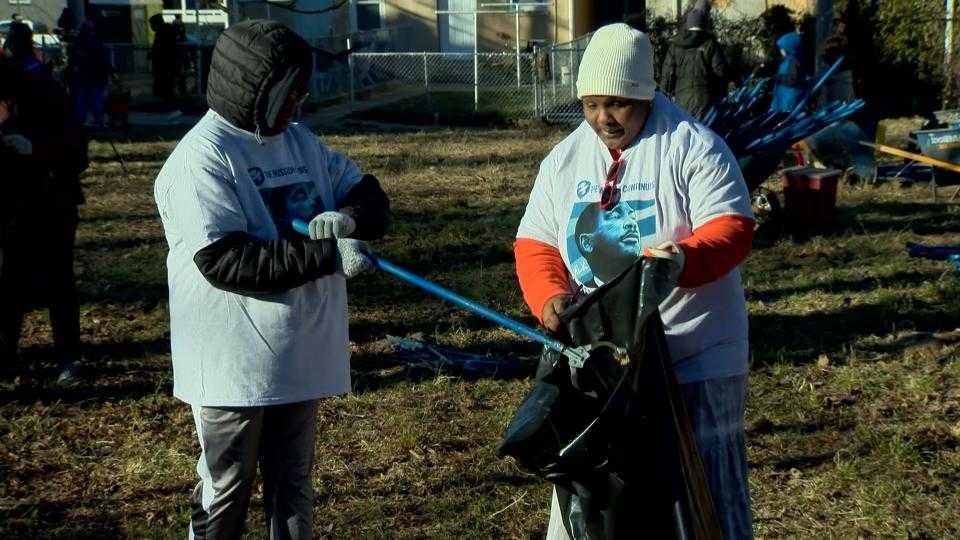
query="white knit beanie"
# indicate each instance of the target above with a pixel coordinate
(618, 62)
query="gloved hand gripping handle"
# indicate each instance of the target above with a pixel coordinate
(575, 355)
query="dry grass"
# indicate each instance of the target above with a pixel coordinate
(854, 412)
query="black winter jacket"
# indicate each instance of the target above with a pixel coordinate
(255, 66)
(694, 71)
(45, 116)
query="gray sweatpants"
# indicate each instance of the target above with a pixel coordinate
(233, 440)
(716, 409)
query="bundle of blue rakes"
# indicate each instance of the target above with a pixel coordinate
(758, 136)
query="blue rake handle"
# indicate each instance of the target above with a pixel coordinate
(576, 355)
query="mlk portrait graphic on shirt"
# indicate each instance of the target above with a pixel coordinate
(601, 243)
(293, 201)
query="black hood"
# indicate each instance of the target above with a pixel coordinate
(255, 65)
(691, 39)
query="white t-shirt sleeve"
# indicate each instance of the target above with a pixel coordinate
(341, 170)
(539, 221)
(715, 184)
(202, 201)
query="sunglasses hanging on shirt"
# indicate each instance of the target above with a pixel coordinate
(610, 195)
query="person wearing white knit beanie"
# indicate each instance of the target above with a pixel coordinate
(640, 177)
(616, 77)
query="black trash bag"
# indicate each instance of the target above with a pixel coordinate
(614, 436)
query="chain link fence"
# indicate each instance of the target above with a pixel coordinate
(428, 87)
(557, 67)
(132, 68)
(133, 72)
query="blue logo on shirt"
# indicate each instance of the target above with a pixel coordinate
(256, 174)
(586, 187)
(583, 187)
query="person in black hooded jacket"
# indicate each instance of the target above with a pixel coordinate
(694, 70)
(51, 185)
(258, 311)
(17, 195)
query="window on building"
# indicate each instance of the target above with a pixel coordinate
(368, 14)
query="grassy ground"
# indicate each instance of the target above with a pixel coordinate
(853, 416)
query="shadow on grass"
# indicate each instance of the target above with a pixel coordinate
(371, 373)
(141, 296)
(396, 164)
(799, 339)
(128, 156)
(141, 134)
(132, 386)
(843, 285)
(114, 244)
(136, 376)
(42, 518)
(883, 217)
(119, 218)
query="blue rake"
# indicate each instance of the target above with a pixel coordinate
(575, 355)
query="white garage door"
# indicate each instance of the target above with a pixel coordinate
(456, 31)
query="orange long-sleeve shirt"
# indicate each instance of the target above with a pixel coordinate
(714, 249)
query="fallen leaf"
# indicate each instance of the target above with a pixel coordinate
(823, 361)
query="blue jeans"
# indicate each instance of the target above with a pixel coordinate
(716, 409)
(89, 98)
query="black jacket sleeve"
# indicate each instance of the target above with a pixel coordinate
(718, 64)
(242, 264)
(369, 206)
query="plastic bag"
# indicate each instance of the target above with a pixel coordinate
(614, 436)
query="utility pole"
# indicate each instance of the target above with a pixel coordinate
(824, 28)
(951, 84)
(77, 7)
(948, 34)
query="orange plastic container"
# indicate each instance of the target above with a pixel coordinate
(809, 198)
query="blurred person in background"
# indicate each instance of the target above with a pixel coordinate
(19, 48)
(88, 72)
(694, 69)
(790, 80)
(18, 222)
(163, 58)
(45, 117)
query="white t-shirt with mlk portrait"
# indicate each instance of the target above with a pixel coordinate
(676, 176)
(235, 350)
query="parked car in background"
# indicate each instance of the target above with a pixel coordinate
(5, 26)
(48, 46)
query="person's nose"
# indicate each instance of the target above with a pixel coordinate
(605, 118)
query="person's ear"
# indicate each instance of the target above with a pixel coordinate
(586, 243)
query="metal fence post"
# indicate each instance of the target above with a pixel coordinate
(476, 66)
(553, 72)
(199, 72)
(426, 81)
(517, 36)
(535, 71)
(573, 75)
(351, 75)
